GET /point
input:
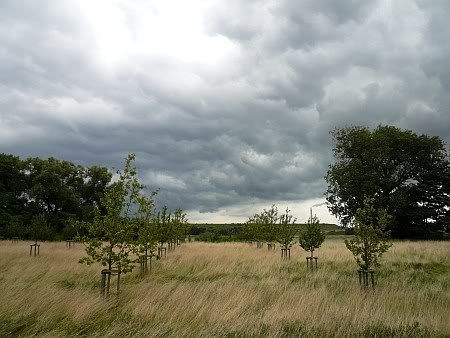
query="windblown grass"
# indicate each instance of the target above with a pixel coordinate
(228, 289)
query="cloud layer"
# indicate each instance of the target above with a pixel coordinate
(227, 104)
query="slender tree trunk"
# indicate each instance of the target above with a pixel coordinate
(108, 281)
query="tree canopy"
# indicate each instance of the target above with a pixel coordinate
(286, 229)
(60, 190)
(406, 174)
(109, 239)
(311, 235)
(263, 226)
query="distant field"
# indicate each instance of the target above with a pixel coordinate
(228, 289)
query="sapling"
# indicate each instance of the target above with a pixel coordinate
(269, 219)
(286, 231)
(147, 232)
(311, 237)
(110, 233)
(263, 226)
(370, 237)
(39, 230)
(180, 225)
(252, 230)
(164, 228)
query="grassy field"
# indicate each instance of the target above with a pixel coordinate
(228, 289)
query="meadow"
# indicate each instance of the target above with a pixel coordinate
(228, 289)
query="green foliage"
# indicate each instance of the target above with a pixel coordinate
(147, 231)
(13, 184)
(211, 236)
(15, 228)
(218, 232)
(238, 232)
(180, 224)
(369, 242)
(59, 189)
(263, 226)
(286, 230)
(166, 227)
(39, 229)
(110, 234)
(163, 225)
(311, 236)
(406, 174)
(252, 230)
(75, 229)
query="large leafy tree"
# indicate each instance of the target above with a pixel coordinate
(55, 188)
(96, 179)
(61, 190)
(406, 174)
(13, 203)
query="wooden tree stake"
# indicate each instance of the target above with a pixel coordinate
(309, 263)
(35, 245)
(286, 253)
(106, 282)
(363, 275)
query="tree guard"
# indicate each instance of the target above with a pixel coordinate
(106, 281)
(34, 246)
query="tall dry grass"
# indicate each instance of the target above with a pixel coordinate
(228, 289)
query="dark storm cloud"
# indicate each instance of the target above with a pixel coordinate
(253, 127)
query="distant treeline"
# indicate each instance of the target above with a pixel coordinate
(236, 231)
(55, 189)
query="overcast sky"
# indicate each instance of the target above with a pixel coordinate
(228, 104)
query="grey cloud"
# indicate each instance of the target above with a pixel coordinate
(254, 128)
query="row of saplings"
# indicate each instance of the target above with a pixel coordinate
(368, 243)
(127, 230)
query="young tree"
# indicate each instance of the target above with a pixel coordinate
(110, 233)
(263, 226)
(312, 236)
(369, 242)
(287, 229)
(39, 229)
(252, 229)
(269, 219)
(163, 226)
(180, 224)
(147, 233)
(74, 229)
